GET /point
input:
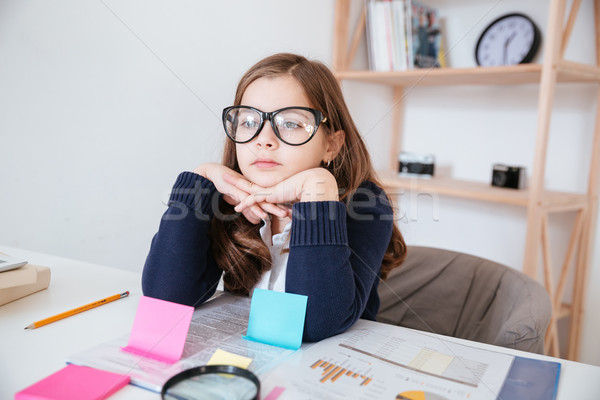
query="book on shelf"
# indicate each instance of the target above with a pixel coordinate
(426, 38)
(403, 34)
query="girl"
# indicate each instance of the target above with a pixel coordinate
(295, 206)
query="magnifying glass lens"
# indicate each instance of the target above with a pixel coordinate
(212, 386)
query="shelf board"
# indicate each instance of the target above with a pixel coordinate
(515, 74)
(552, 201)
(569, 71)
(564, 310)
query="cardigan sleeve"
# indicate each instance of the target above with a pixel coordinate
(180, 267)
(335, 259)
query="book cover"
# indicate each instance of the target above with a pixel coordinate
(386, 35)
(399, 43)
(378, 33)
(426, 37)
(370, 33)
(530, 379)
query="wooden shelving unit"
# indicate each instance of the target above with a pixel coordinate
(539, 202)
(482, 191)
(511, 75)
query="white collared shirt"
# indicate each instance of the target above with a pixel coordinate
(278, 245)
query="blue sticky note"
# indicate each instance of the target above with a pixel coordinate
(277, 318)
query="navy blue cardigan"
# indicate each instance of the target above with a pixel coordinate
(335, 255)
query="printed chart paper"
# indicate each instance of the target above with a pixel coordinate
(377, 361)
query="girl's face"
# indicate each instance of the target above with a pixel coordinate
(266, 160)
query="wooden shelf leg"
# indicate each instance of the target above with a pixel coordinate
(397, 125)
(545, 102)
(587, 235)
(359, 32)
(552, 345)
(574, 240)
(578, 296)
(569, 27)
(340, 34)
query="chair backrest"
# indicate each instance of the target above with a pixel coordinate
(464, 296)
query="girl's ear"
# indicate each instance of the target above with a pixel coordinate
(336, 141)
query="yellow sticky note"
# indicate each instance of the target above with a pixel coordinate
(222, 357)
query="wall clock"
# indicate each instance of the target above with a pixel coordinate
(509, 40)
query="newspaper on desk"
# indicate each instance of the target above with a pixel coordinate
(369, 361)
(217, 324)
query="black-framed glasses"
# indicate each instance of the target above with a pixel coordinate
(292, 125)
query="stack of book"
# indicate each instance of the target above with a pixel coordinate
(403, 34)
(22, 282)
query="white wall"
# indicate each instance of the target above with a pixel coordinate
(102, 103)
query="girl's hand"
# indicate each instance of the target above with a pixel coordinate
(315, 184)
(233, 195)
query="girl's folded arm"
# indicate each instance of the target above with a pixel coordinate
(335, 259)
(179, 266)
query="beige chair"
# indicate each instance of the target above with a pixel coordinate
(464, 296)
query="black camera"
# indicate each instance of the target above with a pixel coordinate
(507, 176)
(416, 164)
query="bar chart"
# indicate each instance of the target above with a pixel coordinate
(332, 372)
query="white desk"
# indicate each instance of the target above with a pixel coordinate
(27, 356)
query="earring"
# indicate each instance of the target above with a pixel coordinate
(328, 162)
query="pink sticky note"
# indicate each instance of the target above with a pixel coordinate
(275, 393)
(75, 382)
(159, 329)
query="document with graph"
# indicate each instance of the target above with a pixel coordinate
(377, 361)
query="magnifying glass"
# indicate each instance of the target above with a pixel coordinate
(214, 382)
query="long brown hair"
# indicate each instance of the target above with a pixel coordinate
(236, 243)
